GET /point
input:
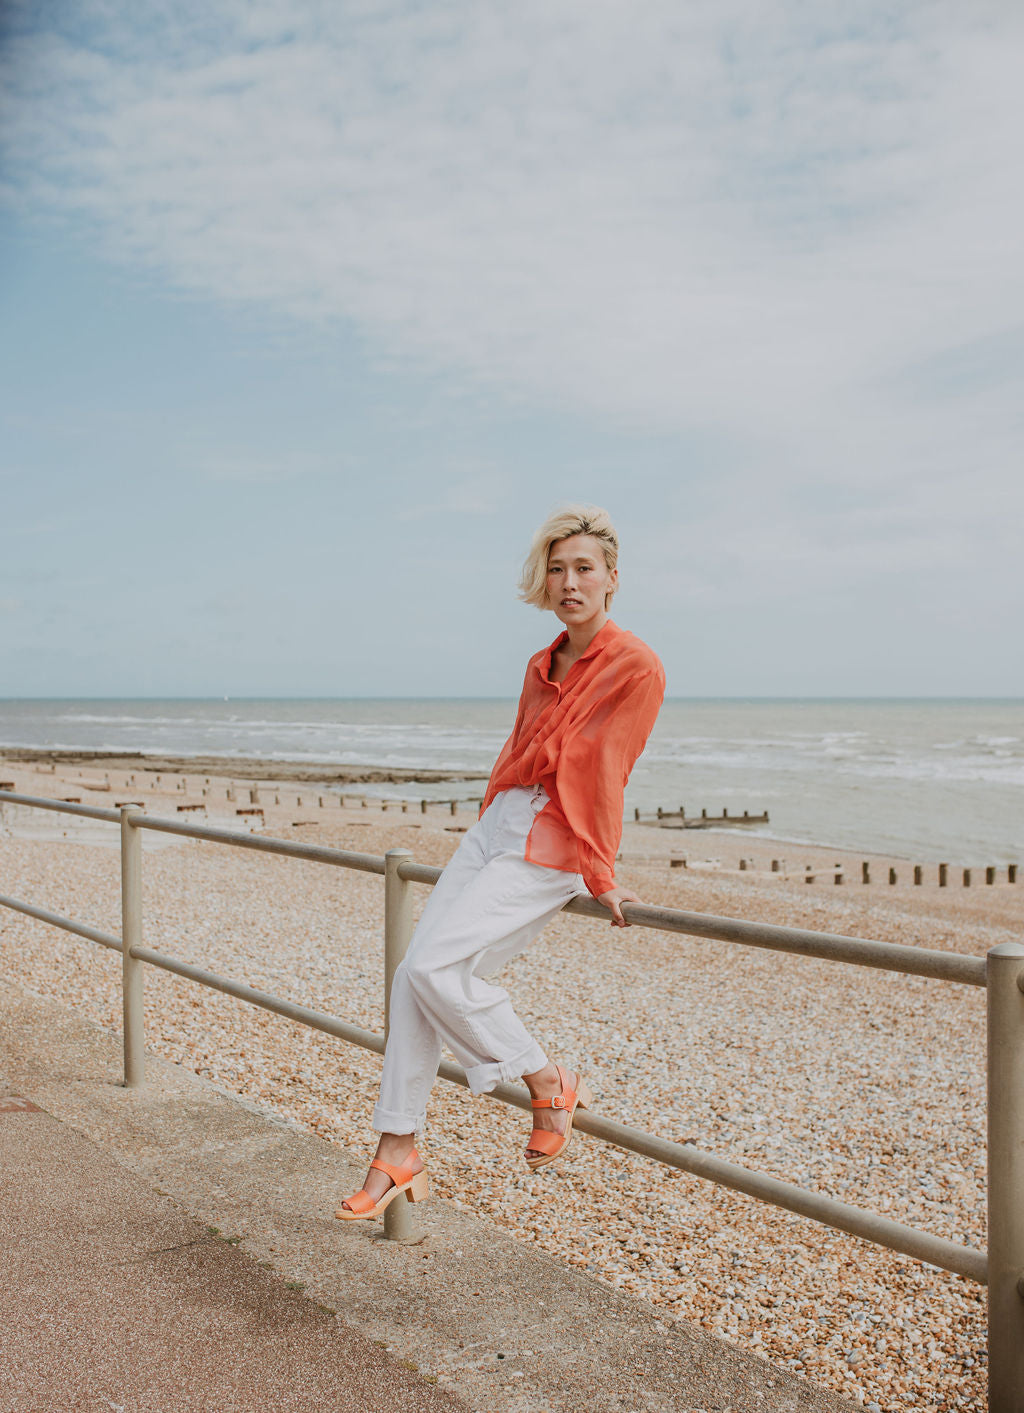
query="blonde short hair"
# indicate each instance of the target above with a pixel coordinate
(560, 524)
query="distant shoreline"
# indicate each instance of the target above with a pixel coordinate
(238, 767)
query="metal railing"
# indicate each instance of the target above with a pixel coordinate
(1001, 973)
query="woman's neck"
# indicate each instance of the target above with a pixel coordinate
(581, 635)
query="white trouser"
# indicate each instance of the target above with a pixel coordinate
(487, 906)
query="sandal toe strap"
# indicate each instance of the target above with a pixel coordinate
(543, 1140)
(360, 1201)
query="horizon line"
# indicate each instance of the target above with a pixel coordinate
(430, 697)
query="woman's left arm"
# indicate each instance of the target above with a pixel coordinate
(593, 768)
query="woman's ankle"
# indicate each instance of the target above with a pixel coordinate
(393, 1147)
(543, 1081)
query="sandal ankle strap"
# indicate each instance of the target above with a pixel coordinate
(397, 1174)
(559, 1101)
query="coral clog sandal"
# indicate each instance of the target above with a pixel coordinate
(544, 1142)
(362, 1207)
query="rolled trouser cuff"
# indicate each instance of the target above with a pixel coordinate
(483, 1078)
(388, 1121)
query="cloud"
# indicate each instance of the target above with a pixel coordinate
(795, 225)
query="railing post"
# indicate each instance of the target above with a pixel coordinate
(397, 932)
(1005, 967)
(131, 936)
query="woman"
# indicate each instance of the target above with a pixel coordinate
(549, 829)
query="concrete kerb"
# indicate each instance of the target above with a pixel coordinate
(506, 1328)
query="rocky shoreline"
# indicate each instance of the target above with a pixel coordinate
(235, 767)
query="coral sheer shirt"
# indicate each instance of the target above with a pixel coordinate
(580, 739)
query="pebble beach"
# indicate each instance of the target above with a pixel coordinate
(867, 1086)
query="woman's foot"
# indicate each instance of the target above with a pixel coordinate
(395, 1149)
(567, 1090)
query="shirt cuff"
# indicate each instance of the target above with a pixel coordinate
(599, 883)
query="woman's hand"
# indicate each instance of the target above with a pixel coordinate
(613, 899)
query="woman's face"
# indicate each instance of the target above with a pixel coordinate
(579, 580)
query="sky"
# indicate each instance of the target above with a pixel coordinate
(313, 311)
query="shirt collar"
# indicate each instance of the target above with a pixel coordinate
(601, 640)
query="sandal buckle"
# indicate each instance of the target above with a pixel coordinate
(558, 1102)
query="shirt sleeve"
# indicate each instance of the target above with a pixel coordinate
(595, 763)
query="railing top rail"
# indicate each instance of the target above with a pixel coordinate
(856, 951)
(59, 806)
(830, 946)
(315, 853)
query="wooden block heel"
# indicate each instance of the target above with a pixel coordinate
(419, 1189)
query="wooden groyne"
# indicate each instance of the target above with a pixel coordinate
(891, 874)
(679, 819)
(839, 872)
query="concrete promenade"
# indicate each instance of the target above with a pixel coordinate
(172, 1249)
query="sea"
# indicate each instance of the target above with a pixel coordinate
(927, 780)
